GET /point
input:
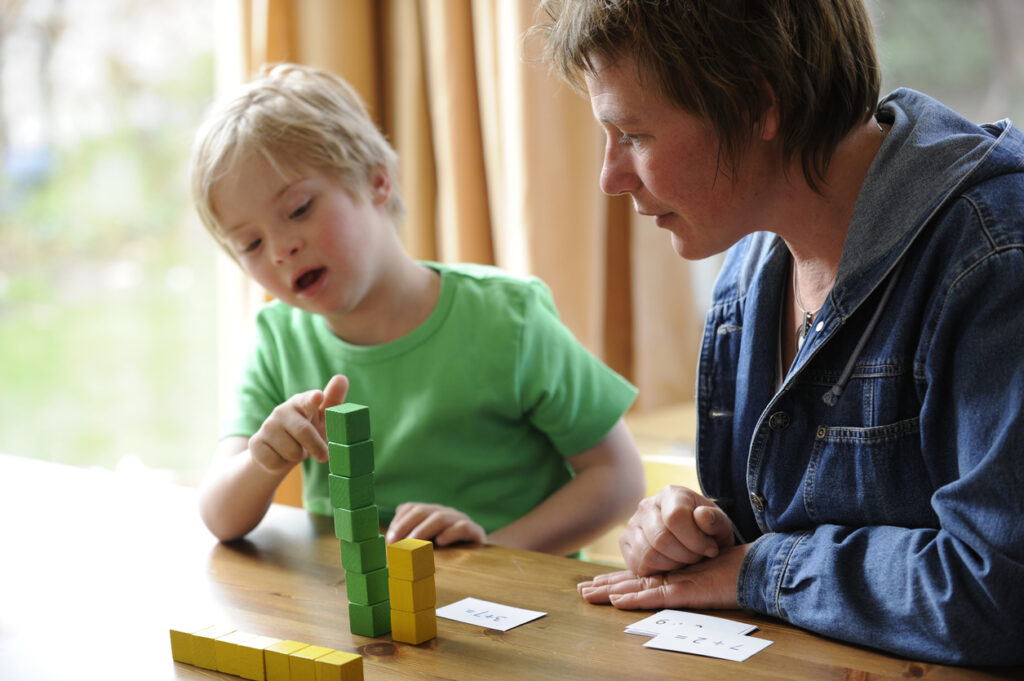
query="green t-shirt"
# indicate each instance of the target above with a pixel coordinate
(476, 408)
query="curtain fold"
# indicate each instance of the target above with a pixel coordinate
(499, 164)
(463, 223)
(407, 124)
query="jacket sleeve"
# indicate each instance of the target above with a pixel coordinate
(952, 594)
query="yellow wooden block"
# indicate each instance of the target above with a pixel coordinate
(413, 627)
(181, 641)
(251, 661)
(204, 651)
(229, 657)
(302, 663)
(277, 659)
(410, 559)
(339, 666)
(412, 596)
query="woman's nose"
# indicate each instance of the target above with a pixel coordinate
(618, 176)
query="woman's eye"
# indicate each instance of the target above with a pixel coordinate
(301, 210)
(626, 138)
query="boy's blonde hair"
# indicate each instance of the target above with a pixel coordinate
(295, 117)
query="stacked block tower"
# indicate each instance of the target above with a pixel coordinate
(356, 521)
(413, 594)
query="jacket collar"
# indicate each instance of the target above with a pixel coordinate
(930, 155)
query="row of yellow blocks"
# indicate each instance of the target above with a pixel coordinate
(262, 658)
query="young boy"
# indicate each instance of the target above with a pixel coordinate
(490, 421)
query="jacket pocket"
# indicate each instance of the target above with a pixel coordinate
(869, 476)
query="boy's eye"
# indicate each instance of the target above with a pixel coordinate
(301, 210)
(626, 138)
(252, 246)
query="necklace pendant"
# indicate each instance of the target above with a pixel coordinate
(805, 327)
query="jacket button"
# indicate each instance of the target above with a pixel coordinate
(757, 502)
(778, 421)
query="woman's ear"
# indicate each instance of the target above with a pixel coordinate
(767, 127)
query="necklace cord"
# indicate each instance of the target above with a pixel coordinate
(807, 317)
(832, 396)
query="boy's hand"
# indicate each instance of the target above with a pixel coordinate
(442, 524)
(295, 430)
(675, 527)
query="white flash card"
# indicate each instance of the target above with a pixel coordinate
(681, 622)
(486, 614)
(725, 647)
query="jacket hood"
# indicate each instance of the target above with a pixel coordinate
(930, 155)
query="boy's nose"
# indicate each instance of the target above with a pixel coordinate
(286, 250)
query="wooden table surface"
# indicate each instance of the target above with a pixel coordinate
(96, 567)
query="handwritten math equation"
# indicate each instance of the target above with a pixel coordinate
(493, 615)
(697, 634)
(486, 615)
(698, 640)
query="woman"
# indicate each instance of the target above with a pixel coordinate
(859, 445)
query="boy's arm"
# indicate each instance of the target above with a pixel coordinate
(608, 485)
(236, 491)
(240, 485)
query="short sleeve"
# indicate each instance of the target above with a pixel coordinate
(259, 388)
(566, 391)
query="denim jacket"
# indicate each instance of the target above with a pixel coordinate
(882, 484)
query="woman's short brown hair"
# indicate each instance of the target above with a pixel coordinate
(714, 59)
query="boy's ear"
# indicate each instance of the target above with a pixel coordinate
(380, 186)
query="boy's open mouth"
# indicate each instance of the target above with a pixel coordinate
(307, 279)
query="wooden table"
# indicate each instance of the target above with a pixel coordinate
(96, 567)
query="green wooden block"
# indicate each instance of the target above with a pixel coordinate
(351, 461)
(369, 620)
(363, 556)
(367, 588)
(356, 524)
(351, 492)
(347, 423)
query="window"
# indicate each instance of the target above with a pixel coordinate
(107, 281)
(965, 53)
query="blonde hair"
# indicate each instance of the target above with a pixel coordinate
(295, 117)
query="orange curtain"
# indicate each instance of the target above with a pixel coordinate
(499, 165)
